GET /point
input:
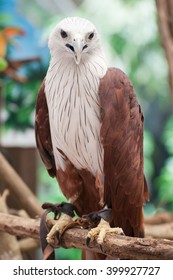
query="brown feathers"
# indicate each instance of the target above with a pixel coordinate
(42, 132)
(122, 139)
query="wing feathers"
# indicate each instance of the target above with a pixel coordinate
(42, 132)
(122, 139)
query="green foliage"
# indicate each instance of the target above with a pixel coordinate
(4, 18)
(20, 104)
(118, 43)
(68, 254)
(148, 153)
(165, 185)
(3, 64)
(164, 181)
(168, 135)
(49, 187)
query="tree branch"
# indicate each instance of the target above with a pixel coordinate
(18, 188)
(164, 16)
(161, 217)
(159, 225)
(121, 247)
(160, 231)
(9, 248)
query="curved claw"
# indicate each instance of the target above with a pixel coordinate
(57, 236)
(98, 233)
(88, 239)
(101, 248)
(54, 241)
(54, 235)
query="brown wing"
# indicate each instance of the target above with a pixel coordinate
(122, 138)
(42, 132)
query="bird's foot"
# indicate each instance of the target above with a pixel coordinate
(100, 223)
(63, 219)
(58, 229)
(99, 233)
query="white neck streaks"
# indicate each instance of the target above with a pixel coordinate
(74, 112)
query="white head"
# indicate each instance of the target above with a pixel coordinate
(75, 38)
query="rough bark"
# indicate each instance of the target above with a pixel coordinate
(122, 247)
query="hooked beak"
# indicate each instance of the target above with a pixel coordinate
(78, 44)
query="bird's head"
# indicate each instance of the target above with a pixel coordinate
(74, 37)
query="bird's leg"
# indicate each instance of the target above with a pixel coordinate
(58, 228)
(64, 213)
(102, 219)
(99, 232)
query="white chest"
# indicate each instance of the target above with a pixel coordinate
(74, 114)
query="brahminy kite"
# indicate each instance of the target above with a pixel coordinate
(89, 133)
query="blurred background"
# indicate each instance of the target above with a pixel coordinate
(130, 37)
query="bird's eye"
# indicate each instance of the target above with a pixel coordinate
(63, 34)
(91, 35)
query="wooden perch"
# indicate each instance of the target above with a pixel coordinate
(121, 247)
(19, 189)
(9, 247)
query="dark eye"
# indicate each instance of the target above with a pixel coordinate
(63, 34)
(91, 35)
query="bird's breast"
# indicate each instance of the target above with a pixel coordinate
(74, 115)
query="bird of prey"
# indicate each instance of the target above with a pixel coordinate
(89, 133)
